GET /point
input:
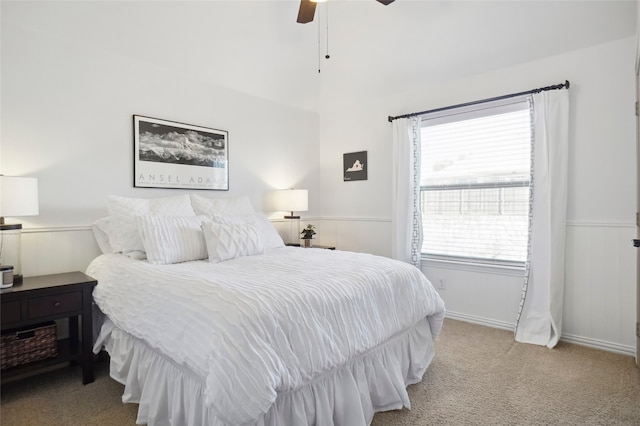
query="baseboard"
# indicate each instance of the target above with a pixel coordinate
(570, 338)
(599, 344)
(503, 325)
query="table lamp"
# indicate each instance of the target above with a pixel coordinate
(18, 197)
(291, 200)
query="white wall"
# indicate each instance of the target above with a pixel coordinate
(67, 107)
(67, 119)
(600, 272)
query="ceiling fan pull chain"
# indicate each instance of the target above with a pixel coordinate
(327, 32)
(319, 45)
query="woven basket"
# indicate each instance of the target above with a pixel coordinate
(22, 346)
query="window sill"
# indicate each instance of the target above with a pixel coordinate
(470, 266)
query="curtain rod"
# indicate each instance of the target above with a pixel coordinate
(513, 95)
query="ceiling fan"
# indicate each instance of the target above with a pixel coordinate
(308, 9)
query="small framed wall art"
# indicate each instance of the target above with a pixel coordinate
(354, 166)
(177, 155)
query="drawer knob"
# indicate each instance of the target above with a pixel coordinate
(56, 304)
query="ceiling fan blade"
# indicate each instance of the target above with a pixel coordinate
(306, 11)
(386, 2)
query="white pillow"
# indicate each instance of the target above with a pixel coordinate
(223, 206)
(124, 210)
(104, 232)
(265, 228)
(226, 242)
(172, 239)
(101, 231)
(269, 232)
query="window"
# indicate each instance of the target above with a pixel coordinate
(474, 183)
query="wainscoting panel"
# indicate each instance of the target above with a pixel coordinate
(599, 298)
(600, 286)
(600, 276)
(55, 250)
(366, 235)
(487, 296)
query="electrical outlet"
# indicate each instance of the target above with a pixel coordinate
(442, 283)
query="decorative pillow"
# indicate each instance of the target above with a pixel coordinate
(172, 239)
(226, 242)
(124, 210)
(222, 206)
(265, 228)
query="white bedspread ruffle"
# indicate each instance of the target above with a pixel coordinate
(170, 394)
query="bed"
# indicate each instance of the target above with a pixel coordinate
(208, 319)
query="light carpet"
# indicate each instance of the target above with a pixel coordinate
(479, 376)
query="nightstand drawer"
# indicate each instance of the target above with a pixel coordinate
(57, 304)
(11, 312)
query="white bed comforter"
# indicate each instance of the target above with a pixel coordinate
(256, 326)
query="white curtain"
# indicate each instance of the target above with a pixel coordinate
(406, 237)
(539, 318)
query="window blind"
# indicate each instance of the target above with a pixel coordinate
(475, 172)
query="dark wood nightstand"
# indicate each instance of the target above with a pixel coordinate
(46, 298)
(313, 246)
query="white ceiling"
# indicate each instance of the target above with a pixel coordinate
(258, 48)
(434, 41)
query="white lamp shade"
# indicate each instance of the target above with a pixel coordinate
(18, 196)
(290, 200)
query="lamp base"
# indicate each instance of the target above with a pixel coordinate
(294, 228)
(11, 248)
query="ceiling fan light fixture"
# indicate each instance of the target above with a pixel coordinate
(308, 9)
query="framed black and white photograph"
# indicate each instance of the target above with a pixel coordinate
(177, 155)
(354, 166)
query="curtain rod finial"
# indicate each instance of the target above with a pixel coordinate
(567, 84)
(390, 119)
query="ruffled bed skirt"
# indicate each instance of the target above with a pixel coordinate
(172, 394)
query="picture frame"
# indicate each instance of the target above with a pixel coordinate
(168, 154)
(355, 166)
